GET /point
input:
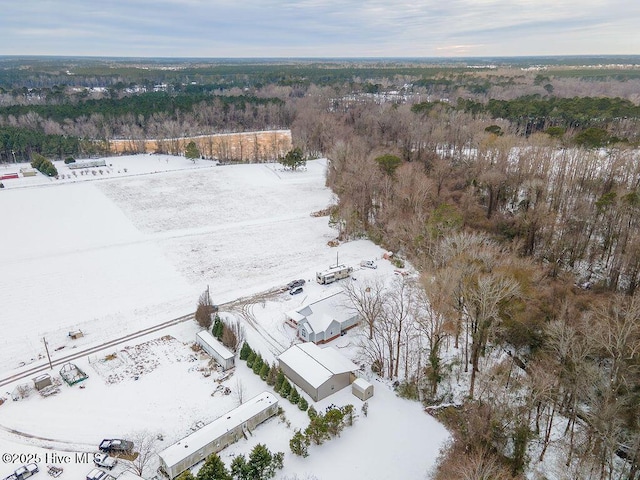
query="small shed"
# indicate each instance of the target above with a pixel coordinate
(362, 389)
(75, 334)
(42, 381)
(28, 172)
(220, 353)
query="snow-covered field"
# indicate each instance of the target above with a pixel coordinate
(113, 253)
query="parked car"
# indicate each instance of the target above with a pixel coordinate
(295, 291)
(115, 445)
(368, 264)
(26, 471)
(296, 283)
(104, 460)
(96, 474)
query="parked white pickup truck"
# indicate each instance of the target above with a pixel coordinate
(104, 460)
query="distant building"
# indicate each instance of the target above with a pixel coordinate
(322, 321)
(319, 372)
(221, 354)
(28, 172)
(217, 435)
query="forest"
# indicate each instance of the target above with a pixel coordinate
(512, 186)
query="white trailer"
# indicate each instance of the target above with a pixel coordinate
(223, 356)
(332, 274)
(217, 435)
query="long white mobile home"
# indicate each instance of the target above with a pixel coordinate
(217, 435)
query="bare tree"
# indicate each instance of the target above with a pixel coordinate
(238, 391)
(484, 295)
(366, 298)
(434, 322)
(204, 310)
(145, 448)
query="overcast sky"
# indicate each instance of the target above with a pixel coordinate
(319, 28)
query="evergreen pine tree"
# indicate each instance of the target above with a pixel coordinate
(273, 373)
(250, 359)
(285, 389)
(186, 475)
(245, 351)
(302, 403)
(218, 328)
(294, 396)
(240, 468)
(264, 371)
(279, 381)
(213, 469)
(262, 463)
(299, 444)
(257, 364)
(317, 430)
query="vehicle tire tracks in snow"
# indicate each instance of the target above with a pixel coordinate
(244, 307)
(51, 443)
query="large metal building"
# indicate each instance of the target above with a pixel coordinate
(223, 356)
(217, 435)
(319, 372)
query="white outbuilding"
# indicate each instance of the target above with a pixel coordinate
(319, 372)
(362, 389)
(221, 354)
(217, 435)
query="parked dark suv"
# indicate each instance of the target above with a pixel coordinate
(295, 283)
(116, 446)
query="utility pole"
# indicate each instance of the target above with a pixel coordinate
(46, 347)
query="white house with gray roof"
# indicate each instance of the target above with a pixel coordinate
(322, 321)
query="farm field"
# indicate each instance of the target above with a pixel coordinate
(113, 255)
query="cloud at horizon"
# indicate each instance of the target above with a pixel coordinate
(319, 28)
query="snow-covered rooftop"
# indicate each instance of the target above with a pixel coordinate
(361, 384)
(220, 349)
(192, 443)
(316, 365)
(321, 313)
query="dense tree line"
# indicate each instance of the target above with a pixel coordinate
(529, 272)
(532, 113)
(142, 106)
(19, 144)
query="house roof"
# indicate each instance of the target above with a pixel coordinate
(314, 364)
(194, 442)
(360, 384)
(321, 313)
(208, 339)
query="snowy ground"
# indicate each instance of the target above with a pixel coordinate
(117, 252)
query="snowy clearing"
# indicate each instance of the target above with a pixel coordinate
(114, 253)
